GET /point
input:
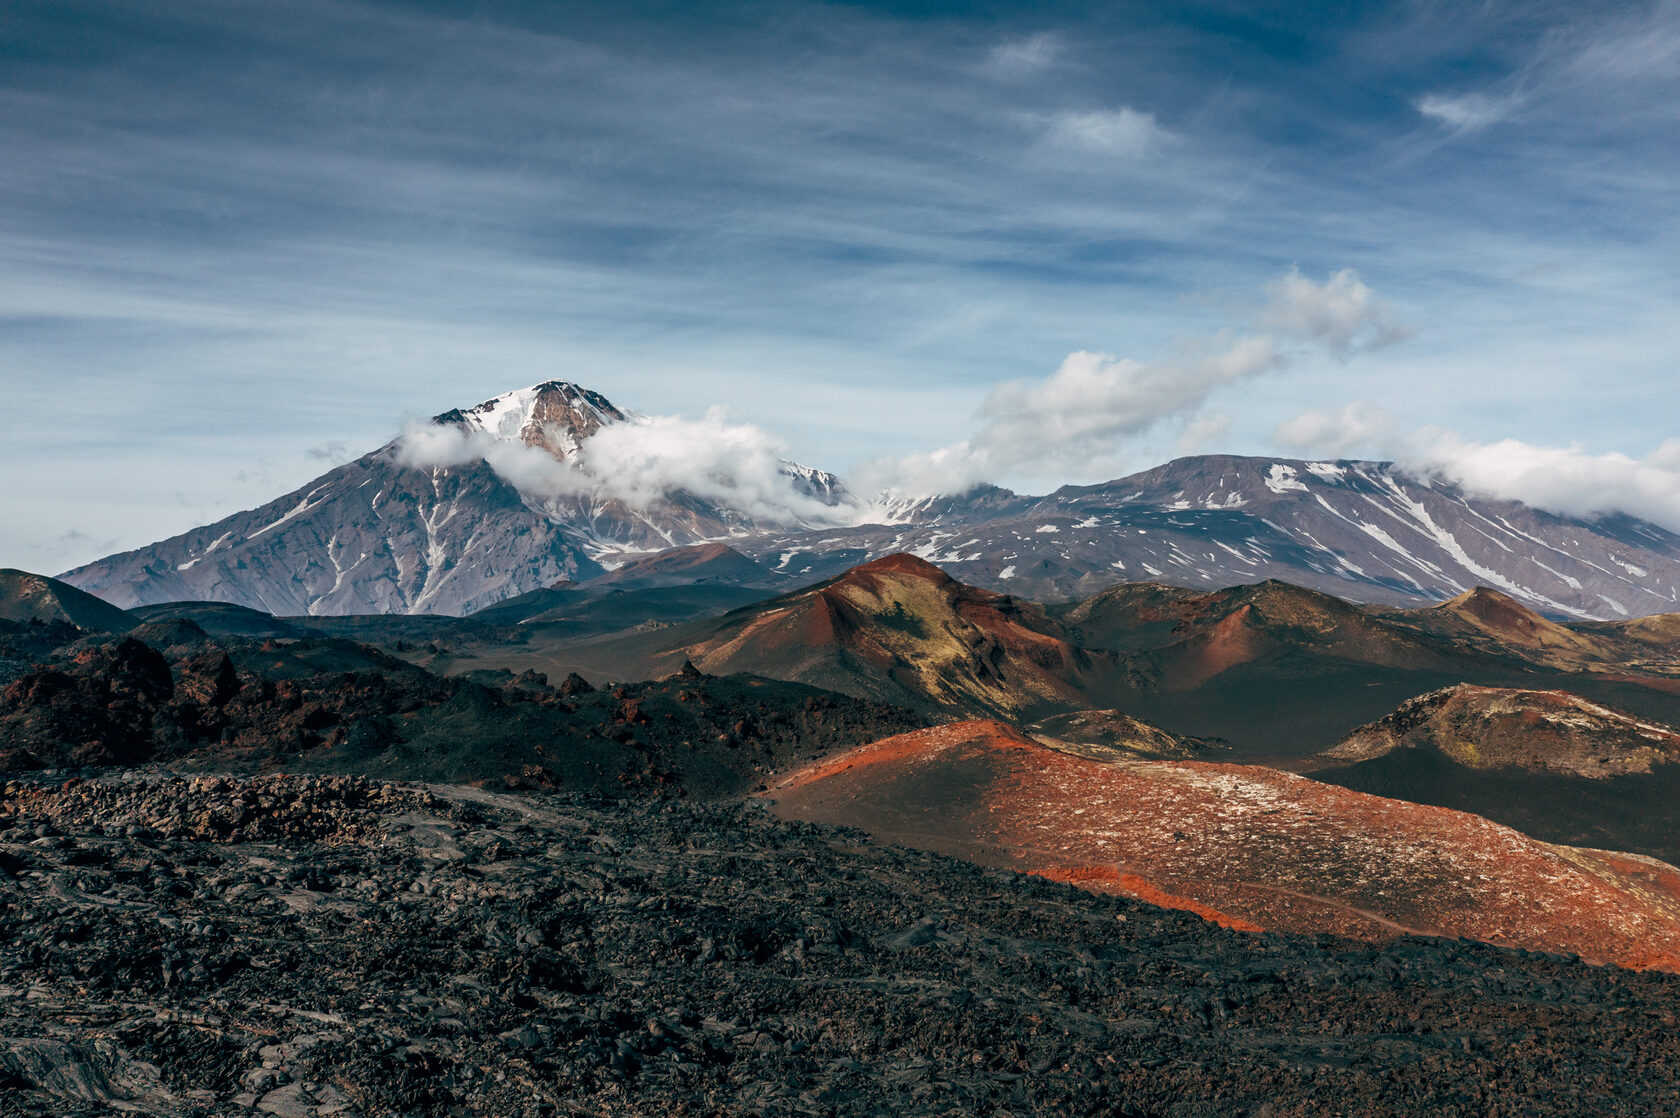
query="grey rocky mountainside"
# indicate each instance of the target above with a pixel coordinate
(1365, 531)
(379, 536)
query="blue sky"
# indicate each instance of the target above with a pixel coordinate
(241, 242)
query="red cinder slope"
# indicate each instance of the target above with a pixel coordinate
(1248, 846)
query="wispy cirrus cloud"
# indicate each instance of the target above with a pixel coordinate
(1588, 59)
(1467, 112)
(1018, 58)
(1123, 131)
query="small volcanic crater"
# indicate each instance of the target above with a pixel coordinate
(1494, 727)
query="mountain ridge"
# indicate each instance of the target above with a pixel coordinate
(386, 533)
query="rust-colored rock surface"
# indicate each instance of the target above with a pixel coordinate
(1243, 845)
(902, 630)
(1499, 727)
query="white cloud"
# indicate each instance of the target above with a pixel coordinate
(1019, 58)
(1075, 421)
(1072, 421)
(1466, 112)
(644, 461)
(1123, 131)
(1202, 432)
(1342, 313)
(1564, 480)
(1319, 432)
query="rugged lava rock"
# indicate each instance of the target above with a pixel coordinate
(311, 946)
(167, 691)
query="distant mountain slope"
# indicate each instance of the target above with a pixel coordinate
(1361, 530)
(379, 536)
(709, 564)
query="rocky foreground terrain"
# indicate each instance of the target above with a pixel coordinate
(302, 946)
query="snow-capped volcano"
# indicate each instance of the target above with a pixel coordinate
(517, 498)
(554, 481)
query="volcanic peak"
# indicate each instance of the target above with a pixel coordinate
(1513, 623)
(902, 629)
(1493, 609)
(555, 415)
(26, 597)
(899, 563)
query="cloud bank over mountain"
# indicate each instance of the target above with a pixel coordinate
(641, 461)
(1566, 480)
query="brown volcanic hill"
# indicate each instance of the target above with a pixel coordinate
(32, 597)
(1246, 846)
(1496, 727)
(1272, 668)
(1193, 637)
(1550, 763)
(901, 630)
(1494, 622)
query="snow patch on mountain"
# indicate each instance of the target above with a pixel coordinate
(1281, 479)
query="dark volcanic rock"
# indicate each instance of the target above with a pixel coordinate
(96, 709)
(168, 692)
(338, 946)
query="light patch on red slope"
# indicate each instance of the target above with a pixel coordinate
(915, 746)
